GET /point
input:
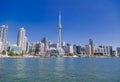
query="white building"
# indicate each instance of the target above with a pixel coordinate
(70, 47)
(0, 46)
(103, 50)
(3, 36)
(22, 39)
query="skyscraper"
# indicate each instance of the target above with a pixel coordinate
(22, 39)
(45, 41)
(27, 47)
(59, 31)
(3, 36)
(92, 46)
(88, 50)
(75, 48)
(111, 50)
(78, 49)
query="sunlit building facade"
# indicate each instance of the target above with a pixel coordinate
(22, 40)
(3, 37)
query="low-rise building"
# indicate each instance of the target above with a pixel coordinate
(37, 48)
(14, 48)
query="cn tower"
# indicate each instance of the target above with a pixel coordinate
(59, 30)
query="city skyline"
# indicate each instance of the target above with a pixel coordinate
(81, 20)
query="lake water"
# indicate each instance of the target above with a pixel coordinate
(59, 69)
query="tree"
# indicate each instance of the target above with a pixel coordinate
(69, 54)
(13, 54)
(3, 52)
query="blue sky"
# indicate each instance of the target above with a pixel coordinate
(81, 20)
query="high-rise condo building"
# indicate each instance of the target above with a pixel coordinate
(45, 41)
(92, 46)
(27, 47)
(70, 48)
(22, 40)
(88, 50)
(118, 51)
(3, 36)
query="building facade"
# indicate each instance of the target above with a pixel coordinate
(103, 50)
(45, 41)
(92, 47)
(3, 37)
(88, 50)
(37, 48)
(118, 51)
(22, 40)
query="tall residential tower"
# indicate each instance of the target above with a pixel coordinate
(92, 47)
(22, 40)
(3, 36)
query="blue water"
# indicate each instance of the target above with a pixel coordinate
(59, 69)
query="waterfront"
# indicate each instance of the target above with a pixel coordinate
(59, 70)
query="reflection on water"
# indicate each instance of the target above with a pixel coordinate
(59, 69)
(59, 64)
(19, 66)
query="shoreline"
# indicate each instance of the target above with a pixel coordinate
(59, 57)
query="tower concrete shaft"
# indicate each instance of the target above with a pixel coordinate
(59, 31)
